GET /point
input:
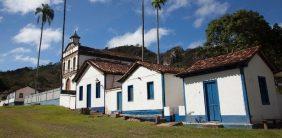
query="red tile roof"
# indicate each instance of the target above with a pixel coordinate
(108, 67)
(231, 60)
(155, 67)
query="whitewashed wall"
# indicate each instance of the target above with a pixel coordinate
(229, 90)
(173, 91)
(73, 84)
(257, 67)
(111, 100)
(139, 79)
(67, 101)
(89, 77)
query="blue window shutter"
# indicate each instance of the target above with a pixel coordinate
(81, 93)
(150, 90)
(130, 93)
(98, 90)
(263, 90)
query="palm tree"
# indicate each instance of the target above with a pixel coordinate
(63, 43)
(157, 4)
(143, 30)
(45, 14)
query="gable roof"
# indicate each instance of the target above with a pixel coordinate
(223, 62)
(155, 67)
(103, 53)
(108, 67)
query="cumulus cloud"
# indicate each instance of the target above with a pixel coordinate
(29, 59)
(177, 4)
(207, 9)
(99, 1)
(25, 6)
(135, 38)
(19, 50)
(30, 35)
(196, 44)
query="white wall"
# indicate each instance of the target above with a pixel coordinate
(67, 101)
(89, 77)
(257, 67)
(173, 91)
(73, 84)
(111, 100)
(229, 90)
(139, 79)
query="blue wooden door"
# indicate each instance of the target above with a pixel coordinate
(119, 101)
(212, 101)
(88, 100)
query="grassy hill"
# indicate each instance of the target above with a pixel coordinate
(51, 121)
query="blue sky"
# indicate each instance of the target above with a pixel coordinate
(112, 23)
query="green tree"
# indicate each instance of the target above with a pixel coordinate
(240, 29)
(157, 4)
(45, 14)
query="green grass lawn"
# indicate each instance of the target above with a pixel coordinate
(51, 121)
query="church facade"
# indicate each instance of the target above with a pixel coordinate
(75, 54)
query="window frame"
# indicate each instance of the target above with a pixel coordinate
(130, 95)
(264, 94)
(80, 93)
(21, 95)
(150, 95)
(98, 90)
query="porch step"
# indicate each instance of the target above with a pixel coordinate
(170, 124)
(212, 125)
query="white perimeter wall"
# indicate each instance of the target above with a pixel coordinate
(111, 100)
(140, 101)
(89, 77)
(257, 67)
(229, 90)
(173, 91)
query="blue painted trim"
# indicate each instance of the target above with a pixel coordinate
(205, 93)
(179, 118)
(163, 93)
(235, 119)
(97, 109)
(144, 112)
(184, 95)
(245, 94)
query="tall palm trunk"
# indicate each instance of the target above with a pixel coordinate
(38, 58)
(158, 37)
(63, 44)
(143, 30)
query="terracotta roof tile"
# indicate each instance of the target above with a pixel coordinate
(109, 67)
(155, 67)
(231, 59)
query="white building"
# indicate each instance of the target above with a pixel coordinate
(17, 97)
(74, 56)
(97, 85)
(148, 88)
(232, 89)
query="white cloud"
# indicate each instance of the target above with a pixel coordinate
(177, 4)
(207, 9)
(30, 59)
(30, 35)
(99, 1)
(25, 6)
(196, 44)
(134, 38)
(1, 18)
(19, 50)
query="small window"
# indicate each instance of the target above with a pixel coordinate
(74, 63)
(98, 90)
(263, 90)
(130, 93)
(150, 90)
(21, 95)
(68, 65)
(80, 93)
(64, 66)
